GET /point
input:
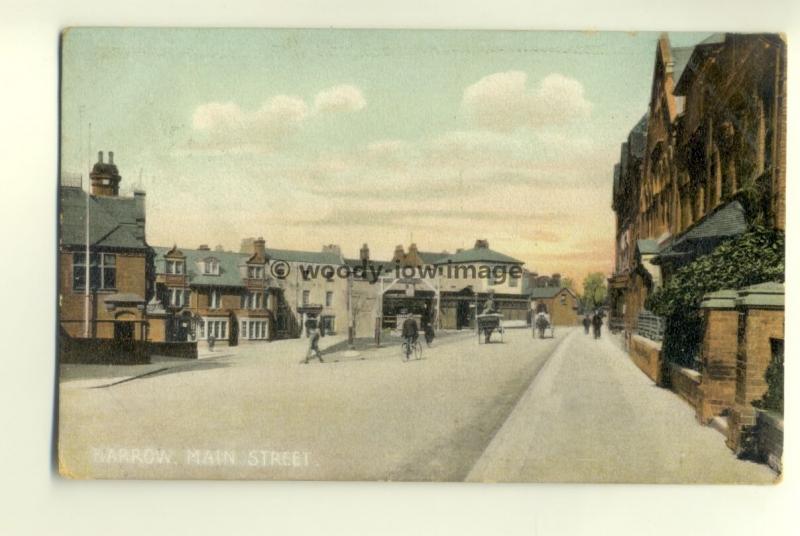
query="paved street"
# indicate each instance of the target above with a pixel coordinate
(562, 409)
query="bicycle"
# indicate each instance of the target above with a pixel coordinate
(408, 348)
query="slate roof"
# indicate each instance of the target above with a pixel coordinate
(432, 257)
(308, 257)
(478, 255)
(112, 220)
(545, 292)
(726, 222)
(230, 263)
(647, 246)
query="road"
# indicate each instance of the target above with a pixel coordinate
(562, 409)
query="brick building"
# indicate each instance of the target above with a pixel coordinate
(102, 295)
(236, 297)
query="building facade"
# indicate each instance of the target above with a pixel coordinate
(240, 297)
(705, 163)
(105, 263)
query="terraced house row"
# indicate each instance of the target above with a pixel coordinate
(138, 293)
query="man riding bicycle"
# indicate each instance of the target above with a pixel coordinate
(410, 333)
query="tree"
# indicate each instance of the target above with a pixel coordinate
(594, 290)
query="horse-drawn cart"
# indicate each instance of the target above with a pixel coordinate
(489, 323)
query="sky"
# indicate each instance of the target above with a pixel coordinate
(312, 137)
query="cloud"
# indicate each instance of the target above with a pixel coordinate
(342, 98)
(504, 102)
(226, 127)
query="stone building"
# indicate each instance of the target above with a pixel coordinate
(705, 162)
(104, 296)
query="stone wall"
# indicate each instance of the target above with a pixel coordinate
(718, 364)
(686, 383)
(646, 354)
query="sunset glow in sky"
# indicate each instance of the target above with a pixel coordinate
(316, 137)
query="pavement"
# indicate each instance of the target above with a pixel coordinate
(566, 409)
(592, 416)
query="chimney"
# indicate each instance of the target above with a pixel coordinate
(259, 247)
(219, 247)
(139, 199)
(399, 253)
(111, 157)
(556, 279)
(104, 177)
(364, 253)
(481, 243)
(203, 247)
(459, 250)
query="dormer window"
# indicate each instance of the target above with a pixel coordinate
(255, 272)
(175, 266)
(211, 267)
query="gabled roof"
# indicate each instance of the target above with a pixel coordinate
(478, 255)
(112, 220)
(229, 263)
(547, 292)
(703, 48)
(230, 274)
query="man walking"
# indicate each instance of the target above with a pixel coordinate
(586, 323)
(597, 323)
(313, 329)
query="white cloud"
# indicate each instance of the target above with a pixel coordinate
(226, 127)
(504, 102)
(342, 98)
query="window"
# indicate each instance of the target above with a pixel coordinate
(102, 271)
(512, 281)
(255, 272)
(217, 328)
(252, 300)
(175, 266)
(214, 299)
(306, 296)
(563, 299)
(178, 297)
(254, 329)
(244, 329)
(211, 267)
(328, 298)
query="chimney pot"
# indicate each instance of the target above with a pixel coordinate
(100, 157)
(110, 157)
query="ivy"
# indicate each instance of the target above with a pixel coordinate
(756, 256)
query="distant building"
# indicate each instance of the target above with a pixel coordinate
(560, 303)
(245, 297)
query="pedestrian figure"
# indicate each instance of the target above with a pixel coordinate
(211, 340)
(429, 334)
(597, 323)
(313, 329)
(586, 323)
(542, 323)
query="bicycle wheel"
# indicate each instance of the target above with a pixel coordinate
(405, 351)
(418, 350)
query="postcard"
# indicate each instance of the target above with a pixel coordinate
(478, 256)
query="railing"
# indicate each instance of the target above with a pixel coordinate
(650, 326)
